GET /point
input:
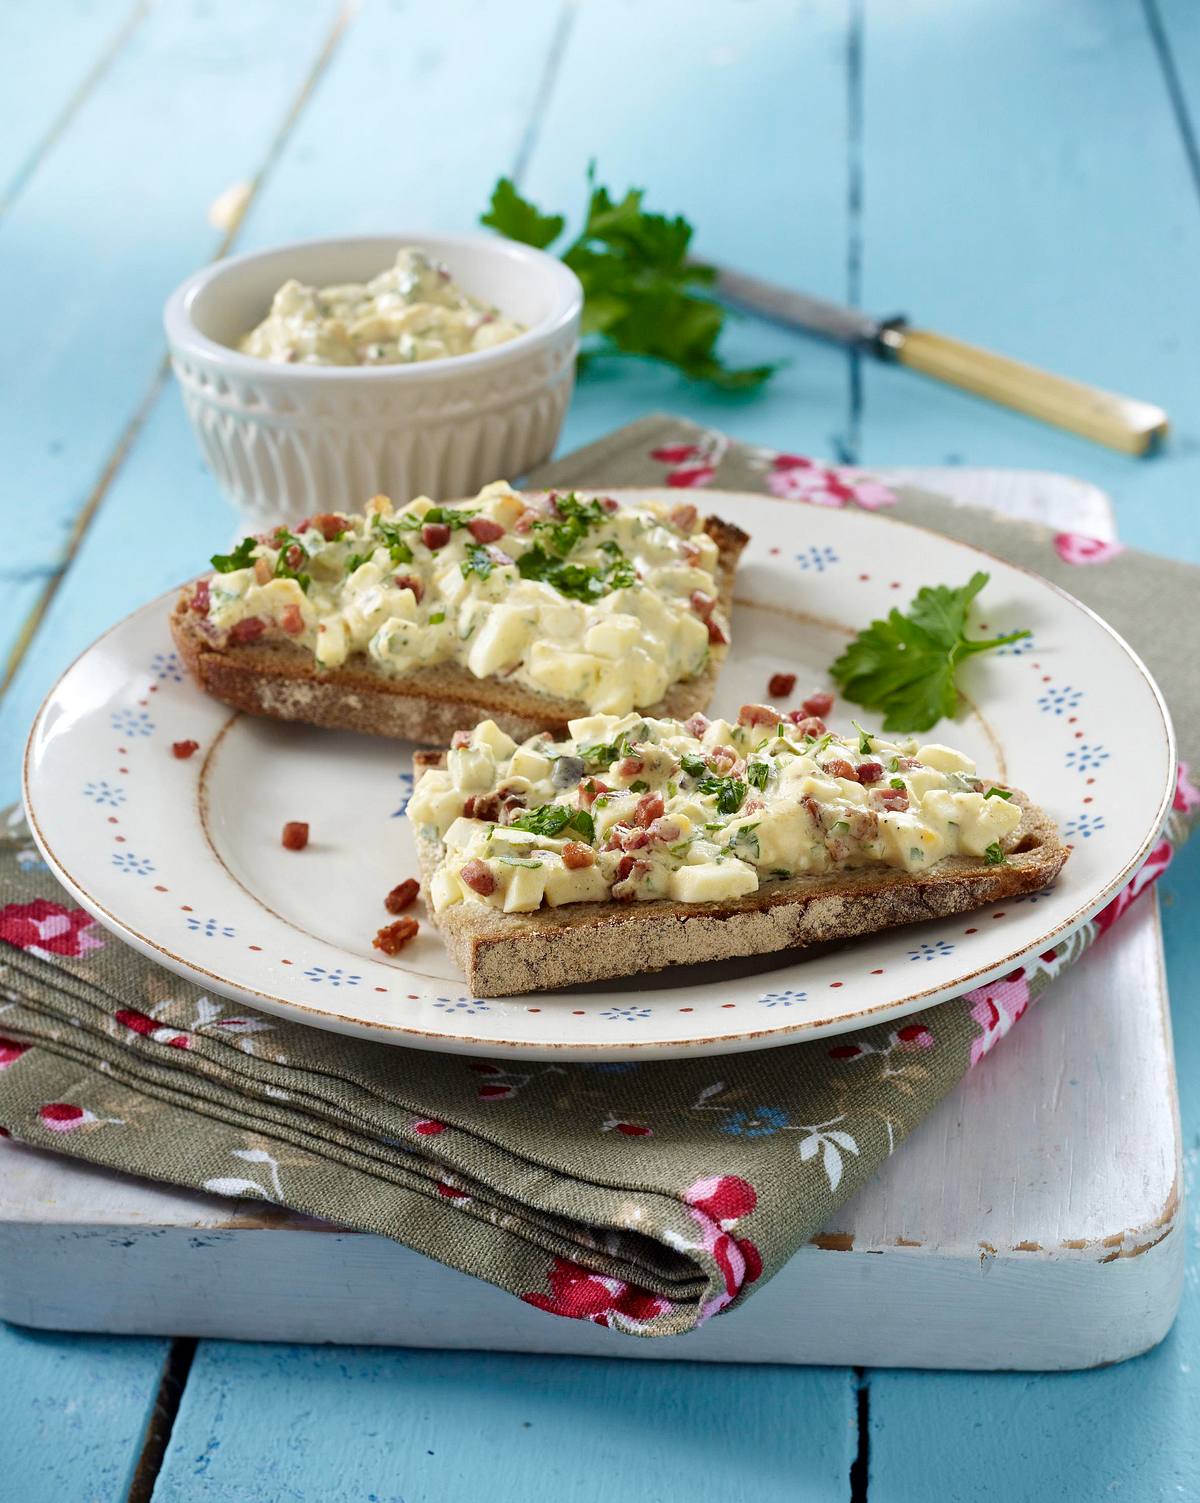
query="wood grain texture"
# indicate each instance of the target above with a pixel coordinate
(1038, 201)
(51, 57)
(310, 1424)
(75, 1409)
(113, 217)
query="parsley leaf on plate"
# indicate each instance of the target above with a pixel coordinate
(241, 557)
(643, 293)
(904, 665)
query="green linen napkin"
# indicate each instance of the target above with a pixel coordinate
(645, 1197)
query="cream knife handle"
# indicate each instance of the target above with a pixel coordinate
(1120, 422)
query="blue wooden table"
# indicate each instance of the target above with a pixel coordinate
(1021, 174)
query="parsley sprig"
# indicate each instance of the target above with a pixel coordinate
(904, 666)
(642, 291)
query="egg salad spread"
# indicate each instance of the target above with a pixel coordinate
(632, 808)
(412, 311)
(584, 599)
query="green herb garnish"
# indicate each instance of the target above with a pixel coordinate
(437, 618)
(744, 839)
(1004, 793)
(758, 773)
(241, 557)
(285, 542)
(478, 561)
(390, 533)
(993, 855)
(730, 793)
(695, 767)
(864, 740)
(904, 665)
(552, 819)
(898, 783)
(532, 866)
(642, 290)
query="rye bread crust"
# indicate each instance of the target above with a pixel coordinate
(280, 680)
(509, 954)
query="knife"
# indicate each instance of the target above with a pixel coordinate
(1122, 423)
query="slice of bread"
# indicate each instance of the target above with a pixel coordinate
(281, 680)
(508, 954)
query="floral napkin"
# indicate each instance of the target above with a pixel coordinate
(642, 1196)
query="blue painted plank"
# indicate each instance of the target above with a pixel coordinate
(736, 117)
(1131, 1431)
(113, 218)
(75, 1411)
(50, 57)
(100, 586)
(1026, 188)
(314, 1425)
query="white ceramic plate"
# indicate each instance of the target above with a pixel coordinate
(183, 858)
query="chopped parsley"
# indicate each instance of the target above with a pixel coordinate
(729, 793)
(390, 533)
(1004, 793)
(437, 618)
(553, 819)
(641, 786)
(241, 557)
(864, 740)
(285, 541)
(532, 866)
(450, 516)
(758, 773)
(897, 783)
(695, 767)
(478, 561)
(577, 581)
(993, 855)
(744, 842)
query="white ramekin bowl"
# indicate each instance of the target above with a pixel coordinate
(287, 440)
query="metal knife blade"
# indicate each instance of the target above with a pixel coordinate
(848, 326)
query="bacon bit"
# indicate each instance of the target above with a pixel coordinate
(459, 740)
(684, 516)
(200, 598)
(329, 524)
(870, 772)
(837, 846)
(864, 823)
(906, 764)
(689, 552)
(629, 867)
(610, 503)
(665, 830)
(697, 725)
(184, 749)
(814, 809)
(498, 556)
(576, 855)
(891, 798)
(291, 618)
(402, 896)
(629, 767)
(411, 582)
(484, 530)
(392, 938)
(478, 878)
(435, 535)
(752, 715)
(780, 685)
(752, 806)
(262, 570)
(649, 808)
(818, 704)
(590, 791)
(485, 806)
(295, 835)
(525, 521)
(294, 556)
(630, 839)
(838, 767)
(247, 630)
(723, 760)
(702, 604)
(807, 725)
(716, 632)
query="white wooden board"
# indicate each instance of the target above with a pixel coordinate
(1033, 1221)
